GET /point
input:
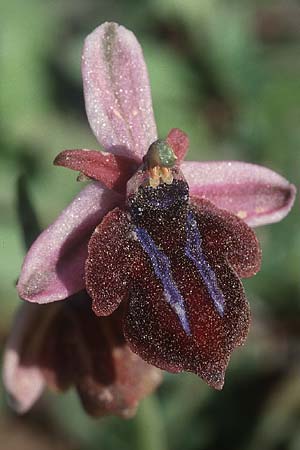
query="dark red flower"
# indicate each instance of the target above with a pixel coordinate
(64, 344)
(168, 239)
(176, 264)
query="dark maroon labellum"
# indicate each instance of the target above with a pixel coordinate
(166, 206)
(175, 262)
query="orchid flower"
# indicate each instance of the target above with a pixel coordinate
(167, 241)
(64, 344)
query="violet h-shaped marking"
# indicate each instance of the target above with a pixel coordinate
(162, 269)
(193, 251)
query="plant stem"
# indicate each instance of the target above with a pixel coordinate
(150, 429)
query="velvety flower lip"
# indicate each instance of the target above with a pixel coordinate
(168, 239)
(176, 265)
(70, 346)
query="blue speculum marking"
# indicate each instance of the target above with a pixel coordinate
(193, 250)
(162, 269)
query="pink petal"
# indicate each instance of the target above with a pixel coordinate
(117, 92)
(179, 142)
(113, 171)
(254, 193)
(54, 266)
(23, 382)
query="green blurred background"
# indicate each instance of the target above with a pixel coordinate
(226, 72)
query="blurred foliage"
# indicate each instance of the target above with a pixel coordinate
(227, 72)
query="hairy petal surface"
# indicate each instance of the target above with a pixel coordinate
(113, 171)
(186, 308)
(53, 268)
(179, 142)
(153, 331)
(117, 91)
(206, 248)
(109, 262)
(227, 235)
(254, 193)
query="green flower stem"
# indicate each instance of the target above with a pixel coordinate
(150, 428)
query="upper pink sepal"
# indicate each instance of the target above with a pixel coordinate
(112, 170)
(53, 268)
(117, 91)
(254, 193)
(179, 142)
